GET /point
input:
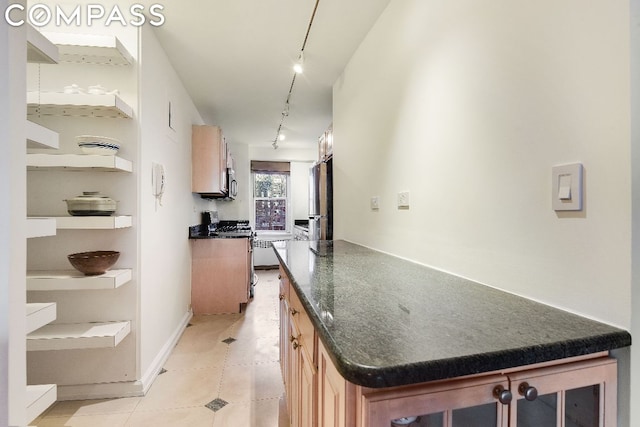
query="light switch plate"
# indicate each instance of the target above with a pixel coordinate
(403, 200)
(375, 203)
(567, 187)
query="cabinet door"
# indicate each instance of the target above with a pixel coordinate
(208, 160)
(307, 385)
(461, 403)
(284, 326)
(332, 393)
(218, 275)
(581, 394)
(293, 375)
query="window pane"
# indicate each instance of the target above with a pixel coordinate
(271, 214)
(270, 185)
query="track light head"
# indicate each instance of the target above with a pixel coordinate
(299, 65)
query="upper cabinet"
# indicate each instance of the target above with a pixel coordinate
(325, 144)
(209, 162)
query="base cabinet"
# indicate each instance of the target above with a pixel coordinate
(220, 275)
(577, 392)
(297, 351)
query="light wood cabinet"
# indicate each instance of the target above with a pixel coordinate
(297, 354)
(208, 161)
(567, 394)
(220, 275)
(574, 392)
(333, 394)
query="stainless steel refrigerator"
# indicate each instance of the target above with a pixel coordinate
(321, 201)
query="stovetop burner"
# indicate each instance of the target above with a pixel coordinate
(231, 228)
(232, 225)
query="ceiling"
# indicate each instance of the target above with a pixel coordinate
(235, 59)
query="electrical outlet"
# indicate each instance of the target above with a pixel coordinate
(375, 203)
(403, 200)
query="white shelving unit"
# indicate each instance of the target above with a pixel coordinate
(39, 48)
(90, 48)
(39, 314)
(111, 330)
(77, 105)
(72, 280)
(41, 227)
(78, 162)
(39, 398)
(72, 336)
(40, 137)
(93, 222)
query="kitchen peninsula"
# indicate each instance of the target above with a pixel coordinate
(368, 338)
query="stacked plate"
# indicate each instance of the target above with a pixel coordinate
(90, 144)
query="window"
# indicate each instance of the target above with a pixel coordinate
(270, 195)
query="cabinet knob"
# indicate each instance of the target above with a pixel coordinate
(294, 311)
(503, 395)
(279, 276)
(281, 296)
(296, 345)
(529, 392)
(292, 338)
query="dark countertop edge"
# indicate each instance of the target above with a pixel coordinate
(415, 373)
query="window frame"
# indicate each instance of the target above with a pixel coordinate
(288, 221)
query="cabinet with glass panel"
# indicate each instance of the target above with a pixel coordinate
(576, 394)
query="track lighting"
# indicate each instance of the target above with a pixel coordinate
(299, 65)
(298, 68)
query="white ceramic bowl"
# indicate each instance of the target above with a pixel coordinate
(102, 145)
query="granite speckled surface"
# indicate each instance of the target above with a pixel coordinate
(389, 322)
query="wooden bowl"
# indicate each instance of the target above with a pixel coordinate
(93, 263)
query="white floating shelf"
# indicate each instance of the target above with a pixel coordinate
(90, 48)
(93, 222)
(40, 314)
(78, 162)
(77, 105)
(39, 48)
(39, 398)
(40, 137)
(41, 227)
(75, 336)
(72, 280)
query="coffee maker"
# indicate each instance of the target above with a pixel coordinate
(208, 218)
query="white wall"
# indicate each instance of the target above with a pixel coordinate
(12, 224)
(468, 106)
(165, 283)
(469, 111)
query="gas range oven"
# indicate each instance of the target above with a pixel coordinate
(231, 229)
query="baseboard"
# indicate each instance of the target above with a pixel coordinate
(156, 366)
(130, 388)
(100, 391)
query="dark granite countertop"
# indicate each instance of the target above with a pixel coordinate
(389, 322)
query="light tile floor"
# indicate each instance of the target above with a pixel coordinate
(239, 380)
